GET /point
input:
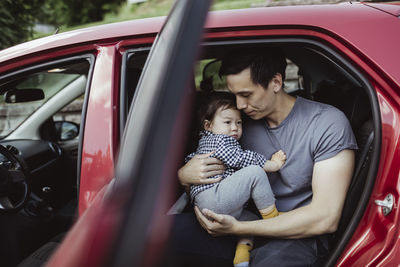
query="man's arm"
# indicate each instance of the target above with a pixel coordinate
(331, 179)
(199, 168)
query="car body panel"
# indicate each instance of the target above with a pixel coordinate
(99, 146)
(392, 8)
(374, 227)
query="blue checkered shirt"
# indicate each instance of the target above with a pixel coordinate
(228, 150)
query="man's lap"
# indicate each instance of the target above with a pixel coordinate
(191, 245)
(289, 252)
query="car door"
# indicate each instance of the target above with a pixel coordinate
(125, 224)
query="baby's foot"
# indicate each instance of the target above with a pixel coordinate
(242, 255)
(279, 159)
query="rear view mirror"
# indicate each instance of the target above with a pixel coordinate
(23, 95)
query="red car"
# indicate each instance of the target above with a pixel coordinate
(132, 86)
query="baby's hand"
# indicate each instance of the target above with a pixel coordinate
(276, 162)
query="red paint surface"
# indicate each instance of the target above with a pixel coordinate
(99, 137)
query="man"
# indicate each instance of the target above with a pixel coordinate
(311, 187)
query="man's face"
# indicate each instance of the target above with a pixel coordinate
(256, 101)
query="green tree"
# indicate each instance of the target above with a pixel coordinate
(16, 20)
(76, 12)
(17, 17)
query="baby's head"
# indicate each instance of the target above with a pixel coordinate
(219, 115)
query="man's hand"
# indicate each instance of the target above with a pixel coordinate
(199, 168)
(215, 224)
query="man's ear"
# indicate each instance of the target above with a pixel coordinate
(207, 125)
(277, 82)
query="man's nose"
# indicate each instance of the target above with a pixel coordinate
(240, 103)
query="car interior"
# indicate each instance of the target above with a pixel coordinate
(40, 147)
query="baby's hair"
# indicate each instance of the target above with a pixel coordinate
(213, 101)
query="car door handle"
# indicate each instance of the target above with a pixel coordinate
(386, 204)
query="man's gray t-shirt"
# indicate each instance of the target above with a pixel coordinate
(311, 132)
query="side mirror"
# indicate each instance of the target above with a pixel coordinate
(66, 130)
(23, 95)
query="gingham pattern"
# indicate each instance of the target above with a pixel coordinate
(228, 150)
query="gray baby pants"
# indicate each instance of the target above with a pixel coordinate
(231, 194)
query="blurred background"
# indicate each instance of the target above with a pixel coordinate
(23, 20)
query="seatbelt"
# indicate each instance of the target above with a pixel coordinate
(363, 158)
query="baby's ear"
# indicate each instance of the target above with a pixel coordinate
(207, 125)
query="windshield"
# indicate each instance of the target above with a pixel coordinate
(51, 81)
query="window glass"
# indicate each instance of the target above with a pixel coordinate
(134, 68)
(71, 112)
(19, 97)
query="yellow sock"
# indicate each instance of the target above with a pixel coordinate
(242, 255)
(270, 214)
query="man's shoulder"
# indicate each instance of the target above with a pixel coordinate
(314, 105)
(319, 109)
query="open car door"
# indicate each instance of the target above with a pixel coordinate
(126, 223)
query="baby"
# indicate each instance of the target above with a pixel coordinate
(244, 176)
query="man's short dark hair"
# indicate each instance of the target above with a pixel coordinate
(264, 64)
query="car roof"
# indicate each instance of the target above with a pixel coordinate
(392, 8)
(342, 20)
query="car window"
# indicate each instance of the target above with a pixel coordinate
(132, 68)
(71, 112)
(16, 104)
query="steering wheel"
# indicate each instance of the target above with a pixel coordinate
(14, 188)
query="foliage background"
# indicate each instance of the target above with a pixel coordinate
(18, 17)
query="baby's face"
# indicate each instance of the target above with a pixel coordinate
(226, 121)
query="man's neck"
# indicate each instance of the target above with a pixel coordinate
(283, 107)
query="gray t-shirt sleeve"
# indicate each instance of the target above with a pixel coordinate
(332, 134)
